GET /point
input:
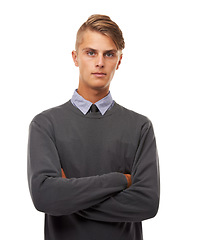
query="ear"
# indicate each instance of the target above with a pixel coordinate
(121, 56)
(75, 59)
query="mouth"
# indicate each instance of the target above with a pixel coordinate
(99, 74)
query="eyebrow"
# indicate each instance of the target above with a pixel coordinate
(94, 50)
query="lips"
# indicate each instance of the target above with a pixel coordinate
(99, 74)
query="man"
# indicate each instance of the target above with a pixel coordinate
(93, 164)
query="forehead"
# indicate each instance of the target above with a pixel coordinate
(96, 40)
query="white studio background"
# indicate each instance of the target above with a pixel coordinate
(166, 74)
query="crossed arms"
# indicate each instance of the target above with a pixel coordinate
(105, 197)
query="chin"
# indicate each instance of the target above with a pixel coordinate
(99, 87)
(100, 84)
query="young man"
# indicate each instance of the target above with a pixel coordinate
(93, 164)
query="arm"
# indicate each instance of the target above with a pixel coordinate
(50, 192)
(141, 200)
(128, 178)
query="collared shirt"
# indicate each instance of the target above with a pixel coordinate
(84, 105)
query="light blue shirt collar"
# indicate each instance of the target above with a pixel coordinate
(84, 105)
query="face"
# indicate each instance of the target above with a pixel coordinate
(97, 58)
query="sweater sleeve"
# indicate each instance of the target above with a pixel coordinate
(141, 200)
(53, 194)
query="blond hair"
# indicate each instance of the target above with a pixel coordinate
(104, 25)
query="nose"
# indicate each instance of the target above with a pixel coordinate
(100, 61)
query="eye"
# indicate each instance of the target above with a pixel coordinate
(109, 54)
(90, 53)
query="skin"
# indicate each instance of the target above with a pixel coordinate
(97, 58)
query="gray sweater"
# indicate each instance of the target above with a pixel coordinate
(95, 151)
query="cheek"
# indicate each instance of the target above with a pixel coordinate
(88, 63)
(112, 72)
(115, 64)
(113, 67)
(84, 67)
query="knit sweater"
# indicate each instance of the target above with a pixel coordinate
(95, 151)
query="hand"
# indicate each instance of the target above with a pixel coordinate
(63, 174)
(129, 180)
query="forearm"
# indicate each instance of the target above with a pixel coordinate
(59, 196)
(127, 206)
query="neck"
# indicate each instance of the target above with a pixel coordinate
(93, 95)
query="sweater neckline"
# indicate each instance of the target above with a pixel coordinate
(93, 114)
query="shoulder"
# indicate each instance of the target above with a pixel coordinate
(134, 122)
(50, 115)
(133, 115)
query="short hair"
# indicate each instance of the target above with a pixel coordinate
(104, 25)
